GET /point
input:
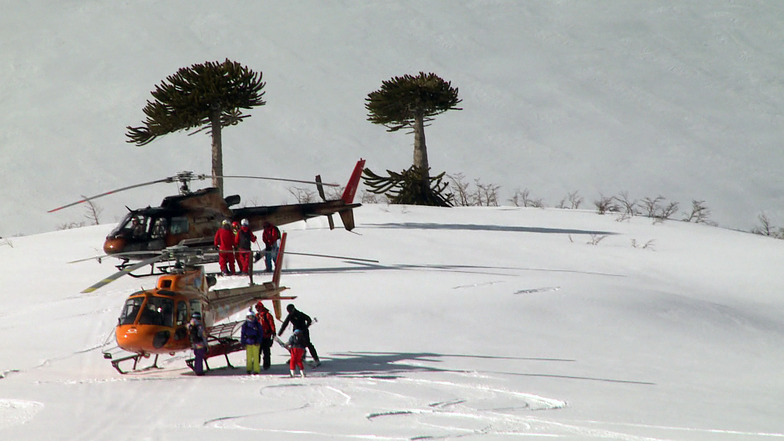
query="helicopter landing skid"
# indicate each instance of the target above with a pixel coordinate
(135, 358)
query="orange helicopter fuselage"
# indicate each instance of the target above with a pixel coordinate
(156, 321)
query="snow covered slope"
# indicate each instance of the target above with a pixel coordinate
(477, 323)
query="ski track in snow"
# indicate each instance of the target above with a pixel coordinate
(15, 412)
(449, 408)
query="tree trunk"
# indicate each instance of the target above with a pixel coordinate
(217, 150)
(420, 149)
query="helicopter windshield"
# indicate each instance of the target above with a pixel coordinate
(157, 311)
(134, 225)
(131, 310)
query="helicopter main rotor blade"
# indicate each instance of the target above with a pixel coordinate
(122, 272)
(277, 179)
(157, 181)
(328, 256)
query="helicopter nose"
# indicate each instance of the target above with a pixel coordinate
(134, 338)
(113, 245)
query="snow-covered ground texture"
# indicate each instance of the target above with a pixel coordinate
(648, 97)
(476, 323)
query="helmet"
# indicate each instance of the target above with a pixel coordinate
(225, 222)
(235, 224)
(290, 307)
(245, 223)
(196, 315)
(251, 315)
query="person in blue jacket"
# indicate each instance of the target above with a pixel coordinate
(251, 337)
(198, 342)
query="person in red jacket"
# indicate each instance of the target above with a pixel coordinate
(224, 240)
(244, 237)
(268, 326)
(270, 237)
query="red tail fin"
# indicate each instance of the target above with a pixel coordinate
(276, 275)
(353, 183)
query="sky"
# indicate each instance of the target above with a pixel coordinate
(643, 98)
(474, 324)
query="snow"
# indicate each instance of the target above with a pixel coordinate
(476, 323)
(682, 100)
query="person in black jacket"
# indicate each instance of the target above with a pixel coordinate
(300, 321)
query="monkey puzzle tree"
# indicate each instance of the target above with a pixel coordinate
(411, 102)
(206, 96)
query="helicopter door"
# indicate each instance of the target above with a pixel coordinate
(181, 320)
(157, 233)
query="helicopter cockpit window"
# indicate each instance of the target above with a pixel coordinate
(132, 226)
(157, 311)
(179, 225)
(130, 310)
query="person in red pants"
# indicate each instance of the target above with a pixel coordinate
(244, 237)
(224, 240)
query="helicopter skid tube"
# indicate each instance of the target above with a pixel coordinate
(135, 358)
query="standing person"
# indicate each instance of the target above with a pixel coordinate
(198, 339)
(300, 322)
(244, 238)
(270, 236)
(268, 328)
(296, 347)
(224, 240)
(251, 337)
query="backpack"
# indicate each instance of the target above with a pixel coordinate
(194, 336)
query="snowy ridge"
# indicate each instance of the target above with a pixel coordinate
(476, 323)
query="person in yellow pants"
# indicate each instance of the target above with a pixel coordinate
(251, 337)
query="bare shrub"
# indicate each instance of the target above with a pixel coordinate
(71, 225)
(486, 194)
(572, 201)
(372, 198)
(700, 213)
(596, 238)
(646, 246)
(523, 199)
(627, 206)
(606, 204)
(766, 228)
(655, 208)
(303, 195)
(459, 188)
(92, 212)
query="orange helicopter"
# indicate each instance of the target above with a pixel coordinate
(155, 321)
(192, 218)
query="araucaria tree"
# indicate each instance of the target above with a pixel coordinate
(411, 102)
(206, 96)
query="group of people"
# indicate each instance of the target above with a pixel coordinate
(235, 239)
(257, 335)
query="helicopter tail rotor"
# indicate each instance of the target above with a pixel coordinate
(320, 187)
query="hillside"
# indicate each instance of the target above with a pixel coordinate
(647, 97)
(477, 323)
